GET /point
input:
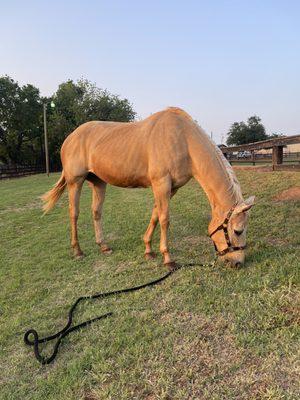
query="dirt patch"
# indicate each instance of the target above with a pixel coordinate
(90, 396)
(194, 240)
(30, 206)
(125, 266)
(292, 193)
(212, 364)
(99, 265)
(293, 313)
(276, 241)
(222, 365)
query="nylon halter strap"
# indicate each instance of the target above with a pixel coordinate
(224, 227)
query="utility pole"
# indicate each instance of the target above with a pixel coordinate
(52, 104)
(46, 139)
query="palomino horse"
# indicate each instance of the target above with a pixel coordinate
(163, 151)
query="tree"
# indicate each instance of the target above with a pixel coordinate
(21, 117)
(76, 103)
(99, 104)
(20, 123)
(243, 133)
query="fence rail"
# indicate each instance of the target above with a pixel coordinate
(264, 144)
(259, 158)
(277, 156)
(13, 171)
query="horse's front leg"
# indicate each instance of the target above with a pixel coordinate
(149, 254)
(162, 194)
(99, 189)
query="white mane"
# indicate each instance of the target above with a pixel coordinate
(234, 188)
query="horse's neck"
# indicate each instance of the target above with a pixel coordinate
(216, 177)
(218, 193)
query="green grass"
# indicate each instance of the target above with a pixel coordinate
(206, 333)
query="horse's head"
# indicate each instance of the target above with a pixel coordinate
(229, 236)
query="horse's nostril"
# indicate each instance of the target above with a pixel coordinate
(238, 264)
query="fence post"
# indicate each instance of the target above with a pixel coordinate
(253, 157)
(277, 155)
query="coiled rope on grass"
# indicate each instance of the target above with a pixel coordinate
(68, 328)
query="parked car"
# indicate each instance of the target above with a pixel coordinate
(244, 154)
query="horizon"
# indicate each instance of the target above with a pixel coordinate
(221, 62)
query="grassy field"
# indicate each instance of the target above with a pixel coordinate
(206, 333)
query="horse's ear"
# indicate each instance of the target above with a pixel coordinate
(245, 205)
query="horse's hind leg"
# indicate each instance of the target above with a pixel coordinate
(149, 254)
(98, 188)
(74, 189)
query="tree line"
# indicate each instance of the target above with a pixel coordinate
(21, 117)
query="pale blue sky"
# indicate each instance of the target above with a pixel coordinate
(221, 61)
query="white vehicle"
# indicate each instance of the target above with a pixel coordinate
(244, 154)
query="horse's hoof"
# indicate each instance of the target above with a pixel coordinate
(106, 250)
(171, 265)
(79, 256)
(150, 256)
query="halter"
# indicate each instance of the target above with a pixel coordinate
(224, 227)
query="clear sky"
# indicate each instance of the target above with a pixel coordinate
(222, 61)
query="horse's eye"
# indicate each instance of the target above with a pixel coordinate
(238, 232)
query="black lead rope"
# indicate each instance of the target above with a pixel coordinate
(68, 328)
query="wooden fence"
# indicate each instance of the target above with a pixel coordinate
(13, 171)
(278, 157)
(263, 158)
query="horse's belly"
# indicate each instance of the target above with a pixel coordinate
(126, 182)
(122, 177)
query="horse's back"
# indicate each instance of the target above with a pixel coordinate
(131, 154)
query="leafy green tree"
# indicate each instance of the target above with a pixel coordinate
(99, 104)
(79, 102)
(243, 133)
(9, 91)
(21, 117)
(20, 123)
